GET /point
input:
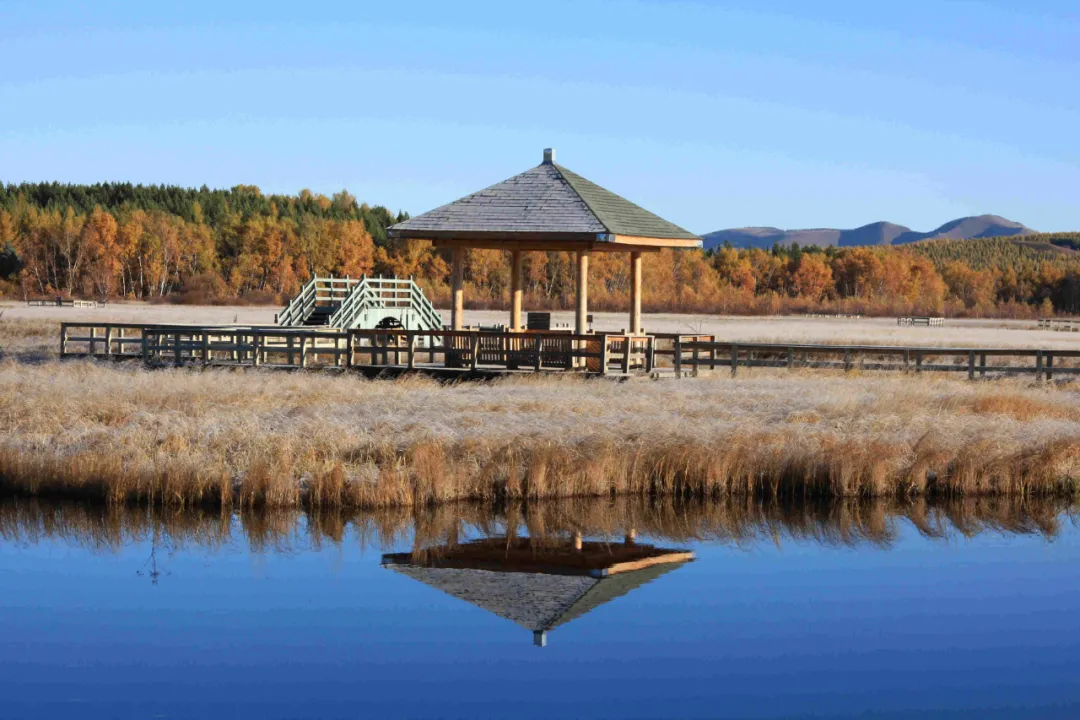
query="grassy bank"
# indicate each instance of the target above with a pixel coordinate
(251, 438)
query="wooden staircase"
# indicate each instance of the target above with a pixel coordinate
(345, 304)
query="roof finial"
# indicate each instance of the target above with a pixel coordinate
(549, 156)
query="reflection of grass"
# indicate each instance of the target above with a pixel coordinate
(740, 521)
(256, 438)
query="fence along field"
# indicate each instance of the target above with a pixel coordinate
(496, 352)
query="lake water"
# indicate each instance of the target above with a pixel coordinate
(965, 610)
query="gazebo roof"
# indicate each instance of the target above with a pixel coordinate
(548, 203)
(539, 587)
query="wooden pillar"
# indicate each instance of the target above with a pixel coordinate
(581, 325)
(516, 289)
(457, 320)
(635, 293)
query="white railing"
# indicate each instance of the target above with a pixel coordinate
(318, 291)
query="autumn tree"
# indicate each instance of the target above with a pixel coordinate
(812, 279)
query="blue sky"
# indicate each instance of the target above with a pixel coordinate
(795, 114)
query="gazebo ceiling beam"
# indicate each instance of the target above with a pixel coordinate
(543, 246)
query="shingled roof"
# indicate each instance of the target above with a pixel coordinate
(536, 602)
(547, 202)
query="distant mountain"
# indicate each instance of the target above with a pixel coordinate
(879, 233)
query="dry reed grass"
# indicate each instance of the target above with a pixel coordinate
(250, 438)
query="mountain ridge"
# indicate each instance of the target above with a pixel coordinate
(876, 233)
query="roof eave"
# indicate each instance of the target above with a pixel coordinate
(489, 236)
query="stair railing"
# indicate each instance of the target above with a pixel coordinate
(372, 293)
(317, 291)
(359, 299)
(300, 306)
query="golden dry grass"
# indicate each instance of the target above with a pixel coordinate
(255, 438)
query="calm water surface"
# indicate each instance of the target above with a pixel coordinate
(965, 610)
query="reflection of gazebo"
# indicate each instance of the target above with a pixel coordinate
(547, 208)
(539, 586)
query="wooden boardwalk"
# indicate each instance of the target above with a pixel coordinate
(444, 352)
(693, 356)
(484, 353)
(65, 302)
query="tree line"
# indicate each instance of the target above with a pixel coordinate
(173, 244)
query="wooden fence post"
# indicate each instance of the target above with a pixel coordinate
(971, 365)
(734, 359)
(650, 354)
(177, 357)
(982, 364)
(411, 354)
(1049, 366)
(1038, 365)
(847, 359)
(918, 361)
(790, 358)
(475, 338)
(205, 348)
(604, 354)
(678, 357)
(303, 351)
(63, 339)
(108, 341)
(539, 359)
(145, 347)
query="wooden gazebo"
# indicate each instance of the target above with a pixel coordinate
(547, 208)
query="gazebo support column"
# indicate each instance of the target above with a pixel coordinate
(581, 321)
(635, 293)
(580, 324)
(457, 315)
(516, 291)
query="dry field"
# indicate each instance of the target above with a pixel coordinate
(872, 331)
(249, 437)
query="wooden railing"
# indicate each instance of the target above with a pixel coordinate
(600, 353)
(915, 320)
(1067, 325)
(300, 347)
(65, 302)
(691, 354)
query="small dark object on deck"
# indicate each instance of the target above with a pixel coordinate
(389, 323)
